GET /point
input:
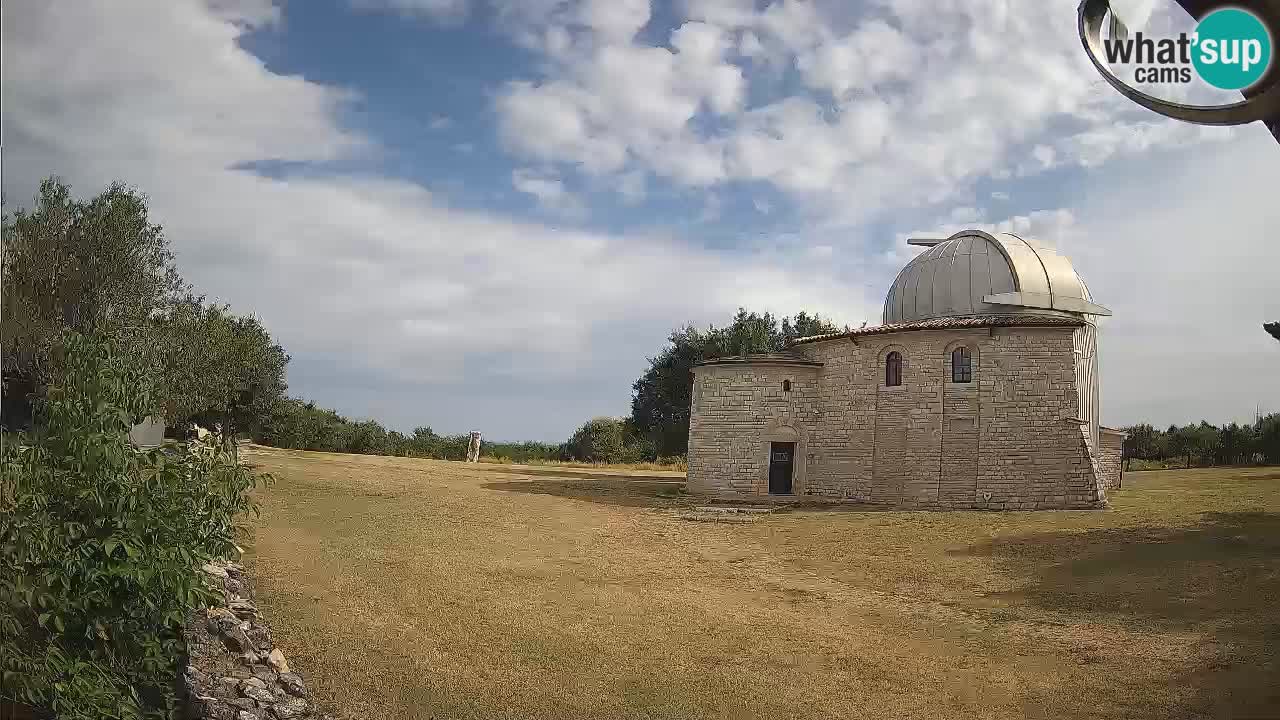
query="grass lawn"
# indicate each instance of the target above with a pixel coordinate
(424, 589)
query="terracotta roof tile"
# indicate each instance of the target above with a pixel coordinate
(951, 323)
(770, 358)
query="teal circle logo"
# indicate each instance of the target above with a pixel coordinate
(1232, 49)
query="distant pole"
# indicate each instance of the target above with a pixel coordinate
(473, 447)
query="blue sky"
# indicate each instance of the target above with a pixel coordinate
(487, 213)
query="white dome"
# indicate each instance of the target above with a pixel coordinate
(979, 273)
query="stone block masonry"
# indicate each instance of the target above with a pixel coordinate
(1010, 439)
(1111, 457)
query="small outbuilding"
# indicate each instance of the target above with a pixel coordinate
(979, 390)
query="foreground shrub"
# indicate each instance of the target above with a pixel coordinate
(100, 545)
(608, 440)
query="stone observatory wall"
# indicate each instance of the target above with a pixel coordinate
(738, 410)
(1010, 439)
(1111, 457)
(233, 670)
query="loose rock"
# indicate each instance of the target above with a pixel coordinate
(220, 620)
(290, 708)
(243, 609)
(292, 684)
(260, 636)
(237, 639)
(276, 660)
(262, 695)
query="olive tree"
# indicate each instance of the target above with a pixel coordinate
(97, 266)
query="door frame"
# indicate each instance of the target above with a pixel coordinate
(779, 431)
(791, 466)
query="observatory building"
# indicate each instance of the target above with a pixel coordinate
(979, 390)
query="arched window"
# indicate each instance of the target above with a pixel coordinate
(961, 365)
(786, 386)
(893, 369)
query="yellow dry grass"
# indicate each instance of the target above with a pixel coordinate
(424, 589)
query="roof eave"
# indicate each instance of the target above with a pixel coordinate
(961, 323)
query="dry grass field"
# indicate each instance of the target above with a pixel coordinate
(422, 589)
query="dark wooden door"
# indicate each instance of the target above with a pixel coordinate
(781, 461)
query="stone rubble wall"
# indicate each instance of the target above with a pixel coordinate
(234, 671)
(1009, 440)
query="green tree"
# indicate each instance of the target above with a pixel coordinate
(607, 440)
(217, 368)
(1181, 442)
(94, 267)
(1267, 438)
(1208, 439)
(1139, 442)
(661, 397)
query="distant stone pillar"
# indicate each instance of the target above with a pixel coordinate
(473, 447)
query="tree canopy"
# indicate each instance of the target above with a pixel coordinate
(1206, 444)
(94, 267)
(217, 368)
(101, 267)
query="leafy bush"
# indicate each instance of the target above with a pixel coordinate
(608, 440)
(100, 544)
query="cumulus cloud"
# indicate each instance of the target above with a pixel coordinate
(384, 296)
(549, 191)
(398, 306)
(906, 105)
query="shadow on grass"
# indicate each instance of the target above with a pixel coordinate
(612, 491)
(577, 473)
(1220, 578)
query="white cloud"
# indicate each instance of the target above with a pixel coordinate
(549, 191)
(394, 290)
(614, 103)
(907, 105)
(370, 272)
(873, 54)
(1181, 250)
